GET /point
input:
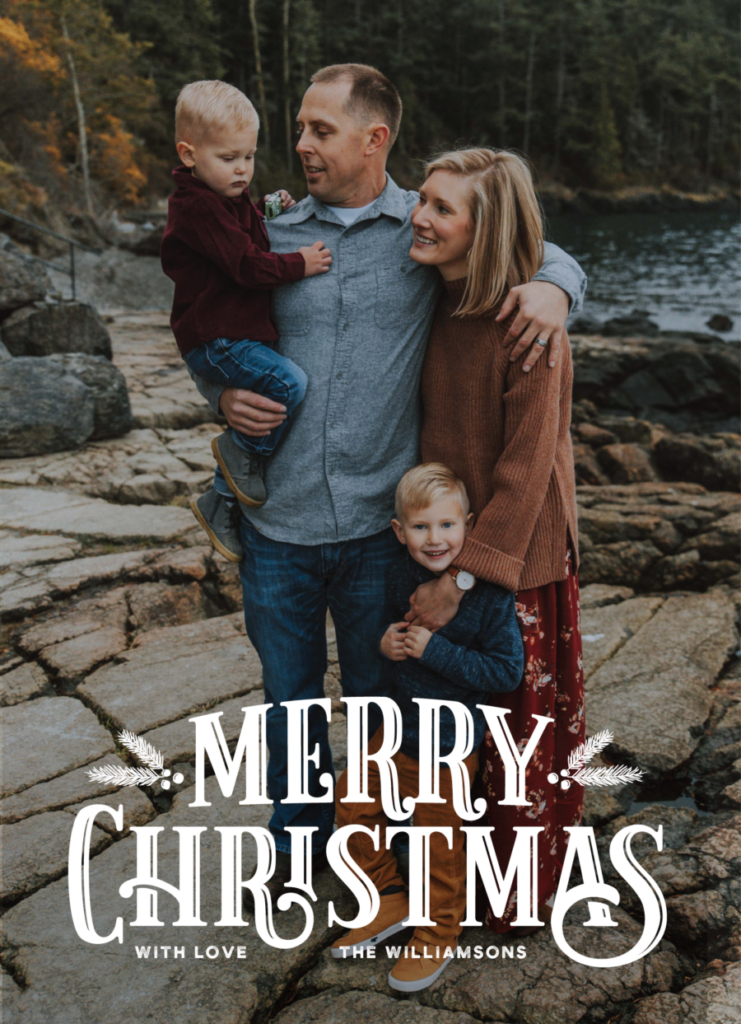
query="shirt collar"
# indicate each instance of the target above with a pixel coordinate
(390, 202)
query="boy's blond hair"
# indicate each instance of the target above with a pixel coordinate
(212, 106)
(507, 245)
(421, 486)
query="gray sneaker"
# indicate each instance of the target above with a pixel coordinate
(220, 519)
(242, 470)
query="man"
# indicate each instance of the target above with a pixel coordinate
(322, 540)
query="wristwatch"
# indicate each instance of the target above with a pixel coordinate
(463, 580)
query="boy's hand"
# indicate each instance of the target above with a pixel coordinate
(392, 641)
(316, 258)
(416, 640)
(286, 199)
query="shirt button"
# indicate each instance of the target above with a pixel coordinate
(338, 377)
(346, 327)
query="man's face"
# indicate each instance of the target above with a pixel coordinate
(332, 144)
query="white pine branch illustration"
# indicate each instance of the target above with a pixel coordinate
(118, 775)
(614, 775)
(586, 751)
(123, 775)
(142, 749)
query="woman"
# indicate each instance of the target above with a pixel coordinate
(506, 434)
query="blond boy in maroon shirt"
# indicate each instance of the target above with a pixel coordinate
(216, 250)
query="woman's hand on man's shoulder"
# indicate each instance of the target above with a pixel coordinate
(542, 311)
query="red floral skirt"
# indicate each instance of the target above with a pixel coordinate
(553, 685)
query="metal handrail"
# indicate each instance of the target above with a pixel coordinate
(62, 238)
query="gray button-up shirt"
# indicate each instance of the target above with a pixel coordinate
(359, 332)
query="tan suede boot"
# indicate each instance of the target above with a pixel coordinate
(390, 919)
(420, 965)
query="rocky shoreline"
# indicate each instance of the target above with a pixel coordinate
(114, 614)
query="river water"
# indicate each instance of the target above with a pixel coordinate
(679, 267)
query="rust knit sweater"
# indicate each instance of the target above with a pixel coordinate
(506, 435)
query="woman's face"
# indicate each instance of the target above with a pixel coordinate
(443, 226)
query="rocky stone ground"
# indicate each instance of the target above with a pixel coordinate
(115, 615)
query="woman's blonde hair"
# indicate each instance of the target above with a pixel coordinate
(507, 245)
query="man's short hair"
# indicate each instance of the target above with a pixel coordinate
(372, 96)
(212, 106)
(423, 485)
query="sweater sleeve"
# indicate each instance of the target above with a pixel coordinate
(496, 668)
(213, 233)
(561, 269)
(496, 546)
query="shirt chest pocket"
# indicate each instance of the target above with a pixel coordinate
(293, 305)
(402, 294)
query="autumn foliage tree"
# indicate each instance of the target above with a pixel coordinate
(73, 107)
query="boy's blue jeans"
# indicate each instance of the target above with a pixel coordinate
(254, 367)
(287, 589)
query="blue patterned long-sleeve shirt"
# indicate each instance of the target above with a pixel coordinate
(477, 655)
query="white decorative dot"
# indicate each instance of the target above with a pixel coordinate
(565, 784)
(553, 778)
(177, 778)
(565, 771)
(166, 772)
(165, 784)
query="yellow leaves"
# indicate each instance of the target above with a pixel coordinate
(31, 54)
(17, 193)
(114, 155)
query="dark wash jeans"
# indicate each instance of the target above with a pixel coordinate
(287, 589)
(254, 367)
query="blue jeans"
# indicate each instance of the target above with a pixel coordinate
(254, 367)
(287, 589)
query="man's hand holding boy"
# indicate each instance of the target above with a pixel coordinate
(392, 642)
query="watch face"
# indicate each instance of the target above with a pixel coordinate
(465, 580)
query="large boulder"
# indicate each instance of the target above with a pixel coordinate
(21, 279)
(55, 403)
(671, 379)
(112, 416)
(44, 409)
(714, 462)
(44, 329)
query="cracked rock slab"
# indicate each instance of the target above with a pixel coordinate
(68, 980)
(18, 549)
(62, 792)
(36, 588)
(176, 671)
(653, 694)
(22, 684)
(46, 737)
(65, 512)
(606, 628)
(713, 1000)
(108, 610)
(337, 1007)
(543, 987)
(36, 851)
(73, 659)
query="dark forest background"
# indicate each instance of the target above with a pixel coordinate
(602, 94)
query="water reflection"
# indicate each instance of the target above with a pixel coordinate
(680, 267)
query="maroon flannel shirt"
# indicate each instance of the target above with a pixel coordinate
(217, 252)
